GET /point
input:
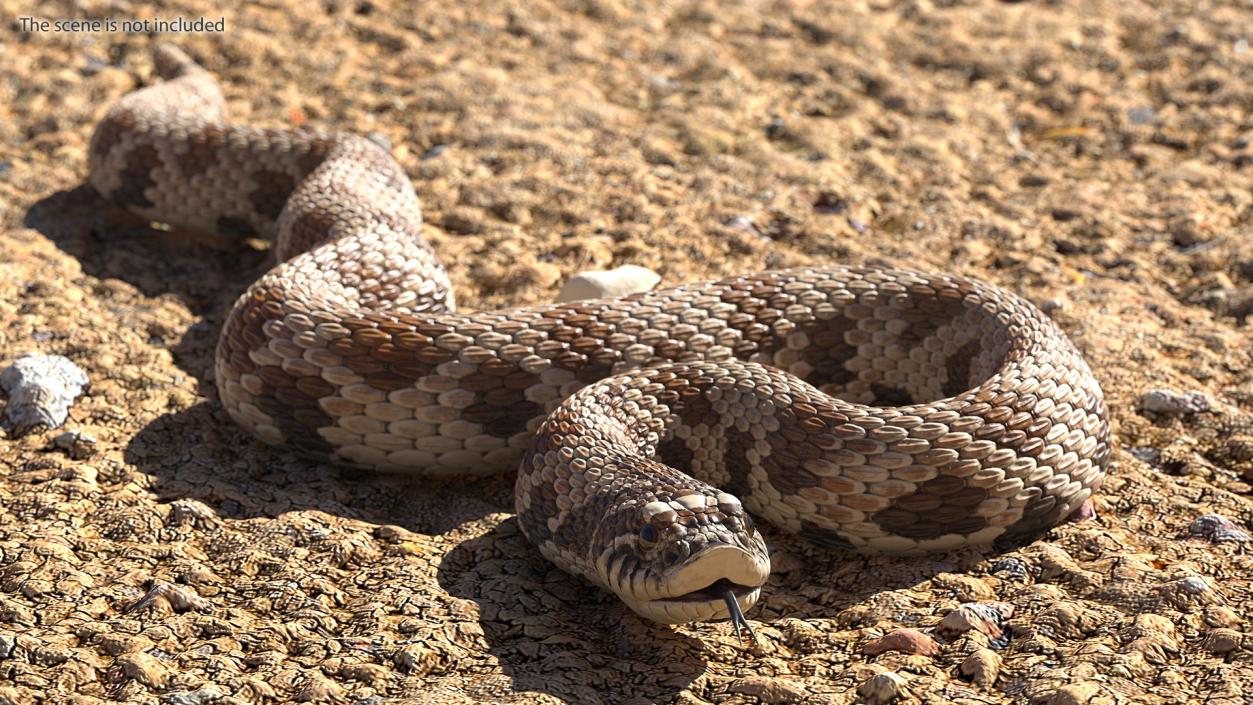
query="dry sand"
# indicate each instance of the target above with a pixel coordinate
(1093, 156)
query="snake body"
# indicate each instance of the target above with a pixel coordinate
(875, 409)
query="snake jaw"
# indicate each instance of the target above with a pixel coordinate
(702, 588)
(700, 606)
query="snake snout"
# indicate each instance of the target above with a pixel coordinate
(688, 556)
(695, 589)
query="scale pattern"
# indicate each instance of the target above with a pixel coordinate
(863, 407)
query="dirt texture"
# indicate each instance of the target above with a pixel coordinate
(1092, 156)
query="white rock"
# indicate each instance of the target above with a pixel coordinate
(41, 389)
(627, 279)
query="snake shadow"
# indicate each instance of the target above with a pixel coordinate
(547, 631)
(205, 273)
(197, 453)
(544, 624)
(555, 633)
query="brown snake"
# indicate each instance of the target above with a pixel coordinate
(861, 407)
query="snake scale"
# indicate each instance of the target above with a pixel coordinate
(874, 409)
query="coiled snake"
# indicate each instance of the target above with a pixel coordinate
(862, 407)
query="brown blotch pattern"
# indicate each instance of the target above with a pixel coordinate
(273, 189)
(315, 152)
(290, 400)
(204, 149)
(137, 178)
(110, 132)
(957, 368)
(819, 536)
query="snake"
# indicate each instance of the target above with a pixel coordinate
(865, 408)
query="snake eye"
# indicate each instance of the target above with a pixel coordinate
(746, 523)
(648, 534)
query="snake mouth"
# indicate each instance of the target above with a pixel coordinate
(721, 599)
(721, 582)
(732, 595)
(715, 592)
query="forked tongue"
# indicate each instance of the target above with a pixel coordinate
(737, 616)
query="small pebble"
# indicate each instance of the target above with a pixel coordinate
(982, 667)
(416, 659)
(192, 512)
(1222, 641)
(1217, 528)
(1190, 593)
(1166, 401)
(1085, 512)
(1141, 114)
(987, 617)
(1188, 233)
(830, 203)
(741, 223)
(907, 641)
(462, 221)
(768, 689)
(1193, 585)
(1066, 620)
(627, 279)
(7, 643)
(78, 444)
(1074, 694)
(208, 693)
(320, 689)
(177, 597)
(1011, 569)
(884, 688)
(144, 668)
(41, 389)
(1238, 303)
(1222, 616)
(1152, 624)
(1053, 305)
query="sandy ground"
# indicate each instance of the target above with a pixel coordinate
(1093, 156)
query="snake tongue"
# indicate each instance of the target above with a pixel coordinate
(737, 616)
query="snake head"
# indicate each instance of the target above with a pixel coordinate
(682, 557)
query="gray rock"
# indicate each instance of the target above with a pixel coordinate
(1217, 528)
(1167, 401)
(41, 389)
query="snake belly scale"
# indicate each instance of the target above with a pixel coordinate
(875, 409)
